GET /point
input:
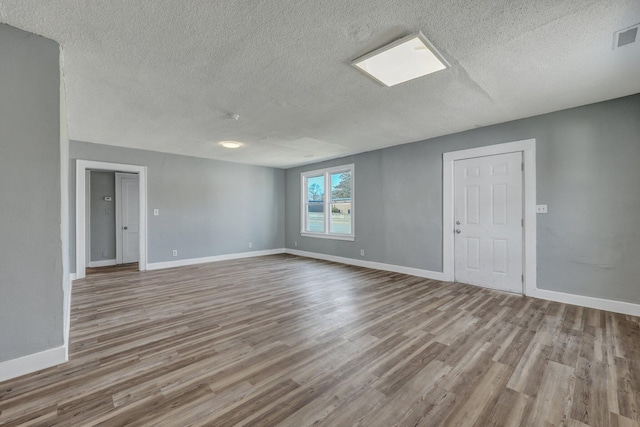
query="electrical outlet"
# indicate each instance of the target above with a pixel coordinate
(175, 252)
(541, 208)
(361, 252)
(295, 243)
(250, 245)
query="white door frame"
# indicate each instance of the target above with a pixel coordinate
(528, 149)
(87, 212)
(81, 167)
(118, 212)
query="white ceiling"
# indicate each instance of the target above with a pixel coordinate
(164, 75)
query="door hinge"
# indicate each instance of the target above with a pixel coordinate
(522, 223)
(522, 277)
(522, 166)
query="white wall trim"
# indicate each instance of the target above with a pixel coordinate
(72, 277)
(329, 236)
(427, 274)
(81, 167)
(573, 299)
(64, 209)
(216, 258)
(67, 317)
(102, 263)
(528, 149)
(590, 302)
(87, 225)
(33, 362)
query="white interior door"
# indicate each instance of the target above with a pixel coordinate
(129, 229)
(488, 221)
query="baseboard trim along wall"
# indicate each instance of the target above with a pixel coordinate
(193, 261)
(589, 302)
(101, 263)
(427, 274)
(580, 300)
(32, 363)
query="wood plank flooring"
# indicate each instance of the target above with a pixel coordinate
(132, 266)
(283, 340)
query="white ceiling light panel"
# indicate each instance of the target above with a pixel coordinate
(230, 144)
(405, 59)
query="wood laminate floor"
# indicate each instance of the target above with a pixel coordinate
(282, 340)
(132, 266)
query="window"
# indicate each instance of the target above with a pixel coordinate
(327, 203)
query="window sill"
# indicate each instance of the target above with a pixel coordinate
(329, 236)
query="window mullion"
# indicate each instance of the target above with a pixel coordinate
(305, 203)
(327, 202)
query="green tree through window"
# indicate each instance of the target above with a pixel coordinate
(315, 192)
(343, 189)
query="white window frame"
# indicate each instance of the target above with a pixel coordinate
(326, 173)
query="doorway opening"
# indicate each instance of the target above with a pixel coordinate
(474, 250)
(112, 224)
(129, 245)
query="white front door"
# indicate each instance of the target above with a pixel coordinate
(129, 217)
(488, 221)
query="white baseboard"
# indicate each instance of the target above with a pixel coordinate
(580, 300)
(193, 261)
(33, 362)
(584, 301)
(427, 274)
(590, 302)
(73, 276)
(102, 263)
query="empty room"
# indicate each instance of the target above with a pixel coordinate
(327, 213)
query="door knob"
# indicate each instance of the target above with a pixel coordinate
(457, 222)
(458, 231)
(125, 227)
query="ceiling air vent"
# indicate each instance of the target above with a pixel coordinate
(625, 36)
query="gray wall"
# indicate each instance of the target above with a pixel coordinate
(207, 207)
(588, 172)
(103, 215)
(31, 295)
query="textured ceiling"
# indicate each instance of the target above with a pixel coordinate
(164, 75)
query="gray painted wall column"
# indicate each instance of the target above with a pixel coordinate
(588, 173)
(31, 285)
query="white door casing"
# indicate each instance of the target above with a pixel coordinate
(127, 226)
(528, 150)
(489, 222)
(88, 216)
(81, 167)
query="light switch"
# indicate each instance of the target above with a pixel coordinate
(541, 208)
(156, 212)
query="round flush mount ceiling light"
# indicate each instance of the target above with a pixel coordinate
(230, 144)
